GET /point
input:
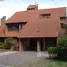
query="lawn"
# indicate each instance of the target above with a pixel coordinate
(47, 64)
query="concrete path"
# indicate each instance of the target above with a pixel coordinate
(19, 58)
(7, 53)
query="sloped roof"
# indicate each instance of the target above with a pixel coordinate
(45, 28)
(37, 26)
(25, 16)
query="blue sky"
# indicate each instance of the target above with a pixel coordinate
(9, 7)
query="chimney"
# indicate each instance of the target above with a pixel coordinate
(3, 20)
(33, 7)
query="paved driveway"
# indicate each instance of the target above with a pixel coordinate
(19, 58)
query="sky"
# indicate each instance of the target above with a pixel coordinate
(9, 7)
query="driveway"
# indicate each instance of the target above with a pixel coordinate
(18, 58)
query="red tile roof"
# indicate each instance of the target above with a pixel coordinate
(37, 26)
(25, 16)
(41, 28)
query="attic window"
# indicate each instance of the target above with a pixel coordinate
(45, 15)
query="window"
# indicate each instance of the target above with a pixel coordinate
(62, 18)
(45, 15)
(13, 27)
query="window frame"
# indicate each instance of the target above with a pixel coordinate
(13, 27)
(47, 15)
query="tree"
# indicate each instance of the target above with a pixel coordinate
(62, 47)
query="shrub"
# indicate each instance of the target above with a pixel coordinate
(7, 44)
(62, 47)
(52, 51)
(9, 40)
(2, 45)
(61, 50)
(62, 42)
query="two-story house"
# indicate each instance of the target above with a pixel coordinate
(34, 29)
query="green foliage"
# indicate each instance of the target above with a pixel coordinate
(64, 25)
(62, 47)
(2, 45)
(7, 44)
(9, 40)
(62, 42)
(52, 50)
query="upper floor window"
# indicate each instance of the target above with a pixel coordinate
(62, 18)
(13, 27)
(45, 15)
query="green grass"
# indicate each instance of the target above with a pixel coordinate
(56, 64)
(47, 64)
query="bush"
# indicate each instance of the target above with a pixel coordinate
(61, 50)
(7, 44)
(62, 47)
(2, 45)
(52, 51)
(62, 42)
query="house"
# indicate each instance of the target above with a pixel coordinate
(34, 29)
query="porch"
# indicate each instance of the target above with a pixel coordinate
(36, 44)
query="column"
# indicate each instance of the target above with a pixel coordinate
(28, 47)
(12, 48)
(14, 43)
(20, 45)
(38, 45)
(44, 44)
